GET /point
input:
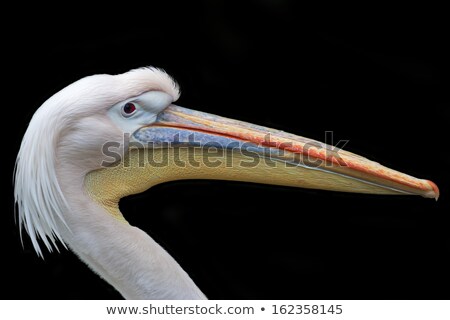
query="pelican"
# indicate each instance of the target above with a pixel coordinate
(105, 137)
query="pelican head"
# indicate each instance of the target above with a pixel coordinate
(108, 136)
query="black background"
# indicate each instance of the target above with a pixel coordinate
(381, 82)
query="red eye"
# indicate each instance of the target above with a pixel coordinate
(128, 109)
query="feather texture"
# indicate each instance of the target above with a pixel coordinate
(40, 201)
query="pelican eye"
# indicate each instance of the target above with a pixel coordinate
(128, 109)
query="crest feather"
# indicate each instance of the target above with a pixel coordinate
(37, 192)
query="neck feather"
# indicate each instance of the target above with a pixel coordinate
(125, 256)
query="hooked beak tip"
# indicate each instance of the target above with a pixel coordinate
(435, 192)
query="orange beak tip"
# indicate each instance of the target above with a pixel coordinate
(435, 191)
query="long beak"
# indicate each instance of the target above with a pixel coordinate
(264, 155)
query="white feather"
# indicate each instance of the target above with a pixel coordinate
(37, 192)
(61, 145)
